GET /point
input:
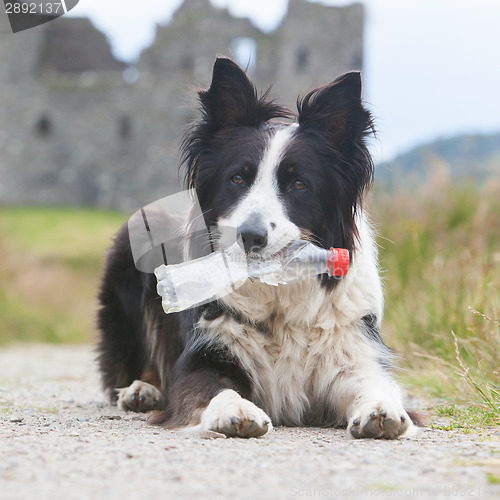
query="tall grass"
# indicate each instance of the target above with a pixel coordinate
(440, 255)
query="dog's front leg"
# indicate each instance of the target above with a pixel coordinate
(209, 393)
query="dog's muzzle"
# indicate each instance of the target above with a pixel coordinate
(252, 236)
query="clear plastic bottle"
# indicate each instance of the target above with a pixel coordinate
(202, 280)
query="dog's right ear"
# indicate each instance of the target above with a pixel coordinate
(232, 101)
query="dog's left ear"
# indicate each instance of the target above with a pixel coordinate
(232, 100)
(336, 110)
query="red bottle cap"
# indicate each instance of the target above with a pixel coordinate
(338, 261)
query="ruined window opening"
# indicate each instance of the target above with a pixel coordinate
(244, 50)
(302, 60)
(125, 127)
(131, 74)
(43, 126)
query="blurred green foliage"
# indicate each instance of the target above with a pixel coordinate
(440, 259)
(49, 273)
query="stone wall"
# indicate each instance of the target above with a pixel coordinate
(72, 131)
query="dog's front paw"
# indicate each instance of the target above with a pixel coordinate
(230, 414)
(140, 397)
(379, 421)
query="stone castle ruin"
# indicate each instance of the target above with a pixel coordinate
(73, 131)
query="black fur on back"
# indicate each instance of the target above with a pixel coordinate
(128, 301)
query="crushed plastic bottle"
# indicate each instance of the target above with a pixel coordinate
(202, 280)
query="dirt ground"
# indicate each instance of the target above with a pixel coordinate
(60, 439)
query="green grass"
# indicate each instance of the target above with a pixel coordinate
(493, 478)
(72, 235)
(50, 271)
(466, 417)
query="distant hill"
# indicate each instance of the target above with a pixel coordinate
(464, 157)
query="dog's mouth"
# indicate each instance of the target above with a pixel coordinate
(281, 255)
(237, 253)
(226, 239)
(289, 249)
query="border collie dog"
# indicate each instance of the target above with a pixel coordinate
(305, 353)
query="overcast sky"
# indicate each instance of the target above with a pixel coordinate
(432, 67)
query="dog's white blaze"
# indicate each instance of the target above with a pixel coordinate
(266, 176)
(263, 197)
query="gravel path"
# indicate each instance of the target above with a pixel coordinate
(59, 439)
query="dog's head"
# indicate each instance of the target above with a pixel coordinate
(276, 182)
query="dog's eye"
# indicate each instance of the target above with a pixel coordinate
(299, 185)
(237, 179)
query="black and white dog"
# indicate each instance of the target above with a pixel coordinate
(306, 353)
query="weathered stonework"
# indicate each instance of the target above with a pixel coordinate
(72, 131)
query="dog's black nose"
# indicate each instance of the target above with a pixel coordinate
(252, 237)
